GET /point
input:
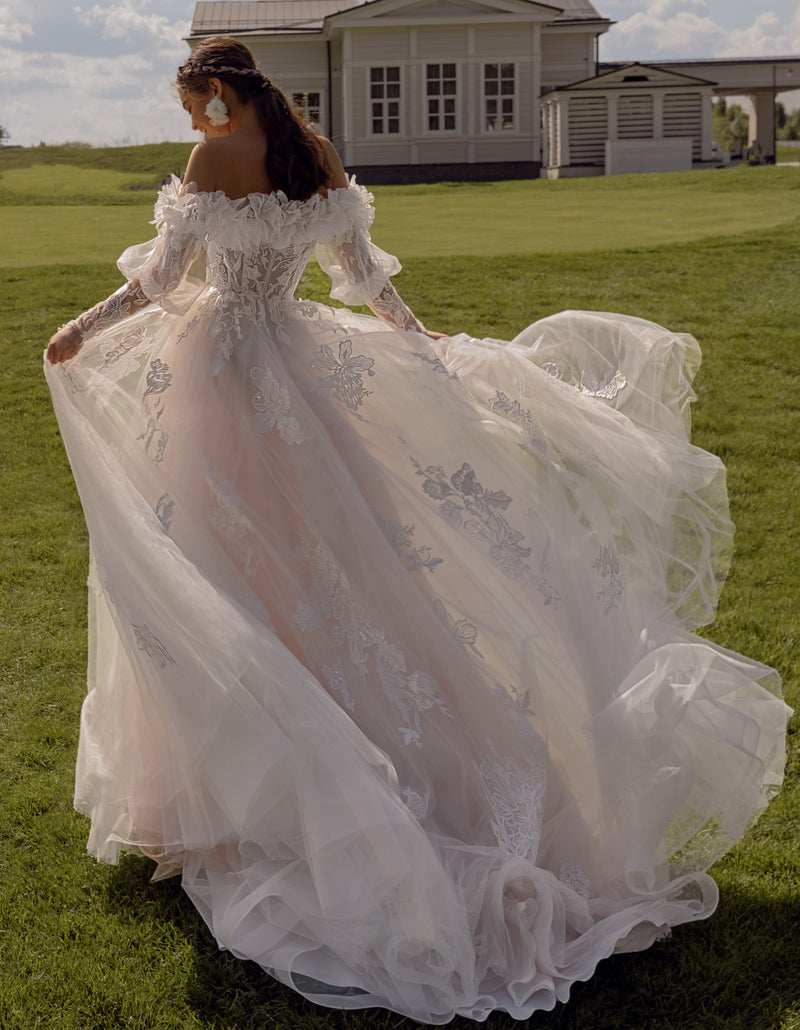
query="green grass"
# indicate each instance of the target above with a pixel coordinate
(481, 219)
(89, 946)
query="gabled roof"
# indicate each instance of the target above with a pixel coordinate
(258, 17)
(263, 16)
(634, 75)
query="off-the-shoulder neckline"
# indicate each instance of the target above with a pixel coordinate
(190, 189)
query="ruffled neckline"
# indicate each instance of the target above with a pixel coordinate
(263, 217)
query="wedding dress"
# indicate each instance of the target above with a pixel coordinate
(390, 649)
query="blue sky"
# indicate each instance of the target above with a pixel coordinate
(101, 72)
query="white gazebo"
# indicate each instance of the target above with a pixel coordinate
(634, 118)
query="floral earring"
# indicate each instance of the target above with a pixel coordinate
(217, 112)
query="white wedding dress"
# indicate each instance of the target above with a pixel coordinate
(390, 637)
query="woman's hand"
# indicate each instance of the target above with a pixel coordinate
(64, 344)
(436, 336)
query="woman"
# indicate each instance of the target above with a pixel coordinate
(390, 649)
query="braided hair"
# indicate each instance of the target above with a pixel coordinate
(295, 160)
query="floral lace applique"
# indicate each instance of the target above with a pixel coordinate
(572, 876)
(273, 408)
(233, 528)
(516, 796)
(345, 382)
(465, 632)
(513, 697)
(417, 804)
(159, 379)
(187, 329)
(337, 681)
(466, 503)
(514, 411)
(147, 641)
(437, 365)
(401, 538)
(608, 565)
(607, 388)
(333, 599)
(164, 508)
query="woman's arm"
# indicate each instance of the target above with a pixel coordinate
(68, 340)
(354, 258)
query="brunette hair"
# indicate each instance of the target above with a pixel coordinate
(295, 159)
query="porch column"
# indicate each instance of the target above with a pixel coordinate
(762, 121)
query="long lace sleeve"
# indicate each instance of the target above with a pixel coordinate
(126, 301)
(157, 271)
(163, 266)
(360, 271)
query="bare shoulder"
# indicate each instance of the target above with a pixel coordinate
(337, 176)
(202, 167)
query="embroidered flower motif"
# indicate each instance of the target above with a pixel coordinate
(437, 365)
(147, 641)
(335, 604)
(273, 408)
(159, 377)
(401, 538)
(345, 382)
(463, 630)
(164, 509)
(572, 876)
(607, 388)
(467, 504)
(516, 796)
(608, 565)
(514, 411)
(154, 435)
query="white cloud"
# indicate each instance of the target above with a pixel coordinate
(12, 27)
(648, 29)
(124, 21)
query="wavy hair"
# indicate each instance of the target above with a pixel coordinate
(295, 160)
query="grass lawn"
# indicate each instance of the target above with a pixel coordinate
(90, 946)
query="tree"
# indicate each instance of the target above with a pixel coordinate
(4, 135)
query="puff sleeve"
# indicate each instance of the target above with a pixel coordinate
(358, 269)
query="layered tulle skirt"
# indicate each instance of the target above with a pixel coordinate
(390, 646)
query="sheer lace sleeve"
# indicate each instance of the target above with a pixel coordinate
(163, 266)
(360, 271)
(157, 271)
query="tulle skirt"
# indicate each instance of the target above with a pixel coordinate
(391, 650)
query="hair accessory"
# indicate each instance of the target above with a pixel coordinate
(224, 69)
(217, 112)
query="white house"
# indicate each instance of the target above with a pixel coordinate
(419, 90)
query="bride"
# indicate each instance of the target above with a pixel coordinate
(391, 653)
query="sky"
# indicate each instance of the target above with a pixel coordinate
(101, 72)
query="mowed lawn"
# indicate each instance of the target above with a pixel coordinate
(95, 213)
(90, 946)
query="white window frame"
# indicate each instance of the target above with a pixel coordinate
(386, 99)
(442, 99)
(488, 98)
(302, 103)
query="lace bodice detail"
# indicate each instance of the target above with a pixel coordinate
(261, 277)
(255, 249)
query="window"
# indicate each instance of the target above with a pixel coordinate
(499, 97)
(310, 106)
(384, 94)
(440, 96)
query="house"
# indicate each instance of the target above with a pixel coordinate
(419, 90)
(633, 118)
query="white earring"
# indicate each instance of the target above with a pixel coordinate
(217, 112)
